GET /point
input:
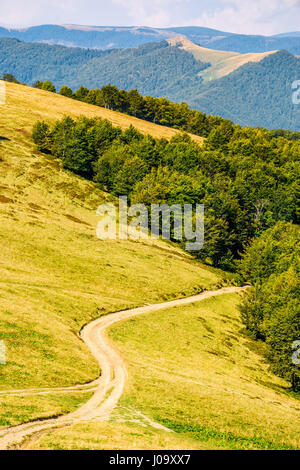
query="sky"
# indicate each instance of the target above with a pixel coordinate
(238, 16)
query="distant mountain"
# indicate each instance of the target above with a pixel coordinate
(88, 37)
(256, 94)
(221, 63)
(109, 37)
(252, 89)
(244, 44)
(295, 34)
(156, 68)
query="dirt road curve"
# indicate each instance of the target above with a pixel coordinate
(109, 387)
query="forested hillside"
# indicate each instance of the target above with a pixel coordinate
(257, 94)
(249, 182)
(247, 179)
(30, 62)
(156, 68)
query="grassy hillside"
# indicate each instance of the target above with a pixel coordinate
(55, 274)
(26, 105)
(222, 63)
(194, 370)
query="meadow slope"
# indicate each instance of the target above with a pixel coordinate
(55, 274)
(110, 385)
(25, 105)
(222, 63)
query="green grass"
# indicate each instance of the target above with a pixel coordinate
(225, 439)
(27, 408)
(112, 436)
(193, 370)
(55, 275)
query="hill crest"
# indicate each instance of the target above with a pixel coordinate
(222, 63)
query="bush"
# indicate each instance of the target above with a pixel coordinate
(41, 137)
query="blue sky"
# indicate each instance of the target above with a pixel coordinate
(240, 16)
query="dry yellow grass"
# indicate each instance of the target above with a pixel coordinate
(17, 410)
(112, 436)
(38, 104)
(222, 62)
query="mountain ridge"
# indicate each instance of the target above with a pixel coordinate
(256, 94)
(108, 37)
(222, 63)
(177, 69)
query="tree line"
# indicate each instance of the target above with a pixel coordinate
(157, 110)
(271, 309)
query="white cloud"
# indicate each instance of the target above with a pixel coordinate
(253, 17)
(96, 12)
(31, 12)
(157, 13)
(244, 16)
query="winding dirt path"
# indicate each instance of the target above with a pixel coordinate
(109, 387)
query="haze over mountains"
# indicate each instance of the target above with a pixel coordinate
(249, 81)
(106, 37)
